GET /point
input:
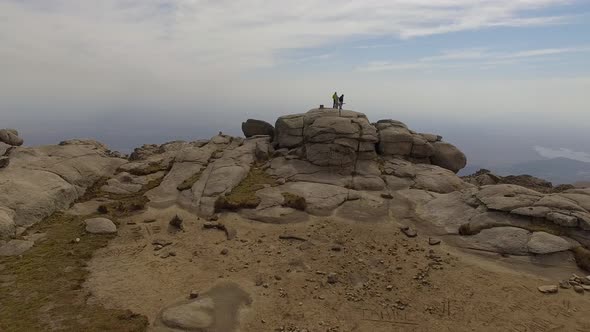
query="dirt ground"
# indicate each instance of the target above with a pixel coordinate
(329, 274)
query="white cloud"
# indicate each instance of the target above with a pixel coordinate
(173, 37)
(563, 153)
(466, 57)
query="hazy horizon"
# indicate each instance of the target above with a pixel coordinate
(505, 80)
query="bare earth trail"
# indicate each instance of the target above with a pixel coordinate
(384, 281)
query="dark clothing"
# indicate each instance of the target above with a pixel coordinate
(341, 101)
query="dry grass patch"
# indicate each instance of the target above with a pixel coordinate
(243, 196)
(46, 292)
(188, 183)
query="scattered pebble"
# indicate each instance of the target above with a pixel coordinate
(224, 251)
(193, 295)
(433, 241)
(410, 232)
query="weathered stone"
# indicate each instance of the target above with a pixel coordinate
(10, 137)
(254, 127)
(100, 226)
(545, 243)
(7, 225)
(506, 240)
(562, 219)
(448, 156)
(548, 289)
(507, 197)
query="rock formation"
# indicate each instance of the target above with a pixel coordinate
(321, 163)
(10, 137)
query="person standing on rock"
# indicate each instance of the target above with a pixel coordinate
(335, 99)
(340, 102)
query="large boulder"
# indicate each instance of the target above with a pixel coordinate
(254, 127)
(448, 156)
(45, 179)
(10, 137)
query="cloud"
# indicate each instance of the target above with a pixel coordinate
(467, 57)
(174, 37)
(563, 153)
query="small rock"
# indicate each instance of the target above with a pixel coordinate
(77, 240)
(584, 281)
(161, 242)
(579, 289)
(332, 278)
(389, 287)
(100, 226)
(433, 241)
(277, 277)
(177, 222)
(410, 232)
(224, 251)
(157, 247)
(193, 294)
(336, 248)
(172, 253)
(548, 289)
(387, 196)
(565, 284)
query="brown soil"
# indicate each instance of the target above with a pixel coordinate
(384, 281)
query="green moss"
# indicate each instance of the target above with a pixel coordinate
(47, 291)
(188, 183)
(243, 196)
(151, 168)
(294, 201)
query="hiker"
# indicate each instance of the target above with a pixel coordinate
(340, 101)
(335, 99)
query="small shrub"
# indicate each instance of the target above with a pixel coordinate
(103, 209)
(243, 196)
(294, 201)
(176, 222)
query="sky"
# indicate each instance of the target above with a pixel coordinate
(504, 80)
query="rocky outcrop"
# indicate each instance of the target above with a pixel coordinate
(10, 137)
(254, 127)
(328, 138)
(486, 177)
(41, 180)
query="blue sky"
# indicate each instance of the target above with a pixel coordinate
(132, 71)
